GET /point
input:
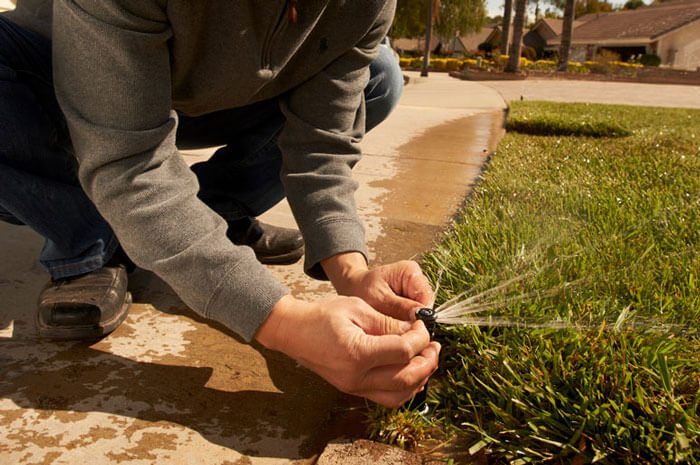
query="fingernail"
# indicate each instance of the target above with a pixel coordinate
(405, 326)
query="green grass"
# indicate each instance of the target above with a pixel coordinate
(613, 208)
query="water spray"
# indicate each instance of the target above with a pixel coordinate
(461, 310)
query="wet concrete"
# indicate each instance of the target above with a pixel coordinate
(169, 387)
(436, 171)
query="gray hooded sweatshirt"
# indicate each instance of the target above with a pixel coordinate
(124, 68)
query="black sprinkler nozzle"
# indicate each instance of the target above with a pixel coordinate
(428, 317)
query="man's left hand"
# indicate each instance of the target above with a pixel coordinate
(396, 290)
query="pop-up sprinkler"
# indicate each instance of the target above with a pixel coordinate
(418, 403)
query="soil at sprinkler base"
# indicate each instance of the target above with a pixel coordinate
(363, 452)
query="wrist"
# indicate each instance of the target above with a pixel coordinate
(343, 268)
(272, 332)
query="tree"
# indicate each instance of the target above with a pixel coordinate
(566, 35)
(453, 17)
(518, 24)
(537, 10)
(633, 4)
(460, 17)
(409, 20)
(505, 27)
(584, 7)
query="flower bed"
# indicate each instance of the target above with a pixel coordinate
(498, 64)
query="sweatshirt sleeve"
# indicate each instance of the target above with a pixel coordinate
(112, 79)
(320, 145)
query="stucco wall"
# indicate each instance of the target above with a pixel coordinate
(681, 48)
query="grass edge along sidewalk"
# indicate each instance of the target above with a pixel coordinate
(592, 212)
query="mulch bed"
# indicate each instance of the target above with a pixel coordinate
(647, 76)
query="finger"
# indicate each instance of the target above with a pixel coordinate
(416, 286)
(393, 399)
(399, 307)
(394, 349)
(400, 378)
(377, 323)
(388, 398)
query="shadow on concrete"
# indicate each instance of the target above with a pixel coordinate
(76, 377)
(562, 127)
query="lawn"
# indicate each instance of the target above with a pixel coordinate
(592, 213)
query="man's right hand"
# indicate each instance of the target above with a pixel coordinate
(352, 346)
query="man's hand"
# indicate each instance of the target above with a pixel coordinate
(355, 348)
(396, 290)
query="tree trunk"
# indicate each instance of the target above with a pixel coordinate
(428, 33)
(567, 33)
(505, 26)
(518, 26)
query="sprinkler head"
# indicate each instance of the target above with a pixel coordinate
(418, 403)
(427, 316)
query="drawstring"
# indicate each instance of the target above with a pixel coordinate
(292, 11)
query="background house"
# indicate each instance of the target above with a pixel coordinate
(469, 44)
(670, 30)
(416, 45)
(547, 30)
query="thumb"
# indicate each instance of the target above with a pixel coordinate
(375, 323)
(400, 307)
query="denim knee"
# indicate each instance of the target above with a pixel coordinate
(385, 87)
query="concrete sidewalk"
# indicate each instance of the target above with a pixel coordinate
(167, 386)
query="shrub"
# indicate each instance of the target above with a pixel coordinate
(530, 53)
(438, 64)
(486, 47)
(576, 67)
(605, 61)
(469, 62)
(649, 59)
(417, 63)
(453, 64)
(405, 62)
(545, 65)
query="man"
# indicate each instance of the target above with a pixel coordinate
(284, 86)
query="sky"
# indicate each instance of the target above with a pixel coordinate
(495, 7)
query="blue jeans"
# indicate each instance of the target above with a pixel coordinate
(38, 182)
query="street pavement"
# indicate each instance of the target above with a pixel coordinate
(170, 387)
(622, 93)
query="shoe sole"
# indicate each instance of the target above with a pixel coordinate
(285, 259)
(85, 331)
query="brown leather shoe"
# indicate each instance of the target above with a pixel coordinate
(88, 306)
(272, 245)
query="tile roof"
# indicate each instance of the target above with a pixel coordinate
(640, 25)
(471, 42)
(556, 25)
